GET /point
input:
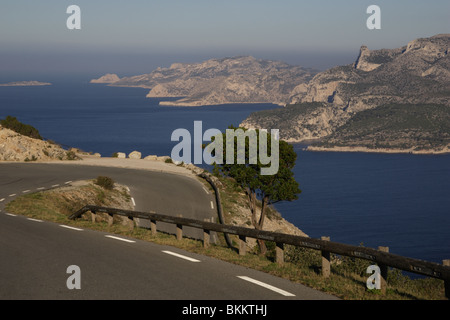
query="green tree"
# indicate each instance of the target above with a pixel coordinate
(269, 189)
(12, 123)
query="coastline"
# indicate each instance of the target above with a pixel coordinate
(445, 150)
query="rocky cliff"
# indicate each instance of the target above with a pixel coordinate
(416, 75)
(222, 81)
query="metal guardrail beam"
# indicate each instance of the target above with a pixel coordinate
(417, 266)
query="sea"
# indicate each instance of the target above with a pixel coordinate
(371, 199)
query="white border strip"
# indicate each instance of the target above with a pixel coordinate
(268, 286)
(121, 239)
(35, 220)
(69, 227)
(181, 256)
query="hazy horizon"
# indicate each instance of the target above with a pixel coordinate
(138, 36)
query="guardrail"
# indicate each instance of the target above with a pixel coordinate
(383, 258)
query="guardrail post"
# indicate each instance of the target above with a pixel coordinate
(447, 282)
(206, 237)
(130, 223)
(153, 227)
(383, 271)
(242, 245)
(326, 264)
(110, 219)
(93, 216)
(279, 253)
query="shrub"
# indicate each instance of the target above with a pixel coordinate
(105, 182)
(24, 129)
(168, 160)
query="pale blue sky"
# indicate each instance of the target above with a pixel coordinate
(135, 36)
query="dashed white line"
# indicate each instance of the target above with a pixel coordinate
(41, 188)
(69, 227)
(12, 195)
(67, 182)
(134, 203)
(181, 256)
(3, 199)
(207, 192)
(26, 191)
(55, 185)
(267, 286)
(35, 220)
(121, 239)
(212, 205)
(10, 214)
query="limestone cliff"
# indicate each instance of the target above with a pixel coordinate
(222, 81)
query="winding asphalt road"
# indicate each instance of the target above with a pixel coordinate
(35, 255)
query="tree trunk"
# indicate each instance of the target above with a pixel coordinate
(261, 243)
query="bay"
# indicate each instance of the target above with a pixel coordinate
(396, 200)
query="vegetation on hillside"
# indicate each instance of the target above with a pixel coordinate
(12, 123)
(399, 126)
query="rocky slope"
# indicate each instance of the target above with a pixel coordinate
(16, 147)
(415, 75)
(222, 81)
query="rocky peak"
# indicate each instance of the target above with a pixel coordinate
(362, 62)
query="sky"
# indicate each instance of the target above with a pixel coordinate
(137, 36)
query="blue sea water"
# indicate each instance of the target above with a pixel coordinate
(397, 200)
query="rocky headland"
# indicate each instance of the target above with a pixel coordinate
(388, 99)
(222, 81)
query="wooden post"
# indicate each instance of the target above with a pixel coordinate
(179, 232)
(110, 220)
(242, 245)
(93, 216)
(179, 229)
(326, 264)
(383, 271)
(206, 237)
(153, 227)
(447, 282)
(131, 223)
(279, 253)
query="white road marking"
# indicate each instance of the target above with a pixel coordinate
(12, 195)
(134, 203)
(121, 239)
(69, 227)
(10, 214)
(128, 189)
(26, 191)
(35, 220)
(207, 192)
(67, 182)
(55, 185)
(212, 205)
(3, 199)
(41, 188)
(181, 256)
(268, 286)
